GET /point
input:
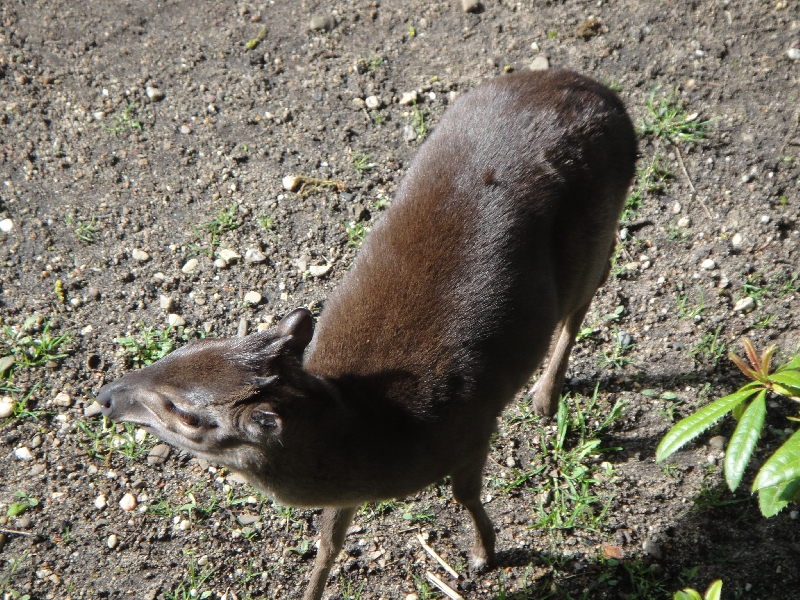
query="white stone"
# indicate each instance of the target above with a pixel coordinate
(190, 266)
(128, 502)
(708, 265)
(219, 263)
(140, 255)
(6, 225)
(252, 297)
(229, 255)
(62, 399)
(793, 53)
(112, 541)
(100, 502)
(408, 98)
(470, 5)
(23, 453)
(676, 208)
(540, 63)
(290, 183)
(255, 256)
(684, 222)
(165, 302)
(262, 327)
(745, 305)
(736, 240)
(185, 525)
(154, 93)
(6, 407)
(175, 320)
(319, 270)
(185, 129)
(372, 102)
(76, 302)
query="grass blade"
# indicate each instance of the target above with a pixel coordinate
(781, 466)
(743, 441)
(689, 428)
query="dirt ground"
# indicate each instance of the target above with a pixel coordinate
(138, 136)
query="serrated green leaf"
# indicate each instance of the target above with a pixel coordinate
(714, 591)
(743, 441)
(689, 428)
(17, 508)
(738, 411)
(793, 364)
(687, 594)
(773, 499)
(788, 379)
(782, 466)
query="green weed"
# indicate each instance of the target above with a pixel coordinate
(23, 503)
(5, 582)
(83, 231)
(148, 347)
(684, 311)
(102, 437)
(123, 122)
(226, 220)
(666, 119)
(361, 163)
(191, 588)
(650, 179)
(357, 233)
(711, 348)
(32, 351)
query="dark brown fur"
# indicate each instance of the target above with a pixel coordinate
(494, 246)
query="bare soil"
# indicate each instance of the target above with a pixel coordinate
(95, 171)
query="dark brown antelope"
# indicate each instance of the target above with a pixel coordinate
(490, 254)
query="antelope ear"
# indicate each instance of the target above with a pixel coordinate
(299, 324)
(263, 383)
(266, 420)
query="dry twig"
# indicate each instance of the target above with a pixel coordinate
(433, 553)
(446, 589)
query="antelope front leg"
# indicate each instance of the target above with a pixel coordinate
(331, 539)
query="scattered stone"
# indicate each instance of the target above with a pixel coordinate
(219, 263)
(236, 478)
(765, 219)
(6, 407)
(540, 63)
(76, 302)
(241, 330)
(359, 103)
(99, 115)
(409, 133)
(652, 548)
(154, 93)
(373, 102)
(511, 462)
(623, 234)
(165, 303)
(93, 410)
(229, 255)
(684, 222)
(676, 208)
(185, 525)
(185, 129)
(62, 399)
(471, 6)
(717, 442)
(100, 502)
(158, 455)
(744, 305)
(291, 183)
(254, 256)
(112, 541)
(321, 23)
(252, 297)
(140, 255)
(190, 266)
(318, 270)
(708, 265)
(175, 320)
(262, 327)
(624, 338)
(6, 363)
(412, 596)
(23, 453)
(408, 98)
(736, 240)
(128, 502)
(793, 53)
(23, 522)
(588, 28)
(6, 225)
(248, 519)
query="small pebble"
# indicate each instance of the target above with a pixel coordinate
(540, 63)
(318, 270)
(241, 330)
(409, 134)
(290, 183)
(175, 320)
(62, 399)
(252, 297)
(186, 129)
(765, 219)
(165, 302)
(254, 256)
(112, 541)
(684, 222)
(93, 410)
(229, 255)
(511, 462)
(321, 23)
(372, 102)
(676, 208)
(6, 225)
(100, 502)
(154, 93)
(190, 266)
(408, 98)
(6, 407)
(736, 240)
(158, 455)
(23, 453)
(219, 263)
(128, 502)
(653, 549)
(470, 6)
(23, 522)
(140, 255)
(793, 53)
(708, 265)
(76, 302)
(744, 305)
(623, 234)
(185, 525)
(717, 442)
(624, 338)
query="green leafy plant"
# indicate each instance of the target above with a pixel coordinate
(418, 122)
(83, 231)
(102, 437)
(361, 163)
(685, 312)
(151, 345)
(714, 592)
(651, 178)
(778, 481)
(357, 233)
(23, 503)
(668, 120)
(5, 582)
(226, 220)
(32, 351)
(123, 122)
(191, 587)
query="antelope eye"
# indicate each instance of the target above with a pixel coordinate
(188, 418)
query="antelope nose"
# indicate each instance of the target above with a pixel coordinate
(106, 398)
